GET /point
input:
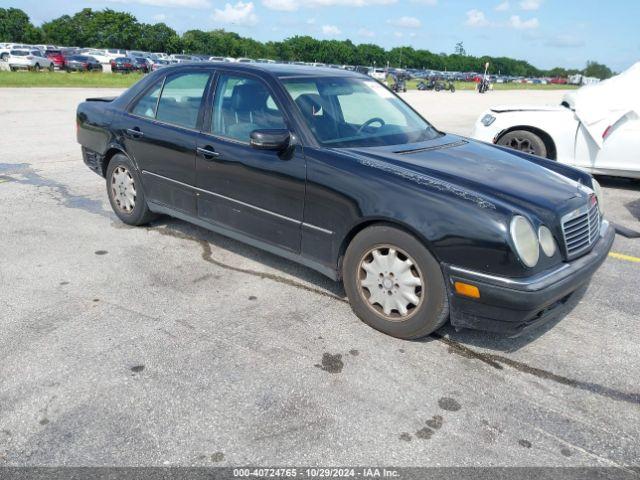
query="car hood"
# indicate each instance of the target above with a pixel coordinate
(480, 168)
(527, 108)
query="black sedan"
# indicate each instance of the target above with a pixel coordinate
(331, 169)
(82, 63)
(142, 64)
(122, 64)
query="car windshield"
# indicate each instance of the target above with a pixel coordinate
(355, 112)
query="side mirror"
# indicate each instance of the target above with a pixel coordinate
(270, 139)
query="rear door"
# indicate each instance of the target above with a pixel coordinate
(160, 131)
(259, 193)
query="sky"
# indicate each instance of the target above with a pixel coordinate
(547, 33)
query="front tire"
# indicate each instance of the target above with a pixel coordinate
(124, 188)
(524, 141)
(394, 284)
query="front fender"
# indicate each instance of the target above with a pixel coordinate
(459, 227)
(559, 124)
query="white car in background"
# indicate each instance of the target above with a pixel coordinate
(99, 55)
(113, 53)
(596, 128)
(222, 59)
(6, 48)
(28, 59)
(379, 74)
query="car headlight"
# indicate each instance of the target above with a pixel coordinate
(598, 191)
(547, 242)
(525, 241)
(488, 119)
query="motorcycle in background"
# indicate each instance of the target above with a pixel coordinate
(437, 85)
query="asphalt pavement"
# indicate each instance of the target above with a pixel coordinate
(172, 345)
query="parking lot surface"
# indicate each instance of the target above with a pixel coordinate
(171, 345)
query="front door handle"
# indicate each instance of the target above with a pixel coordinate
(135, 132)
(207, 152)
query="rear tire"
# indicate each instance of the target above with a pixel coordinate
(126, 196)
(37, 67)
(524, 141)
(410, 279)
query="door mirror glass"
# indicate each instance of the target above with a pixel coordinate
(270, 139)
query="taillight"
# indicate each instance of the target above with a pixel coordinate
(29, 57)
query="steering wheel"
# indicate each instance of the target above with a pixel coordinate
(369, 122)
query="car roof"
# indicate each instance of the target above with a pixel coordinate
(281, 70)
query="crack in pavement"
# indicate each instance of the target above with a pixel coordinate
(23, 173)
(207, 256)
(491, 359)
(496, 361)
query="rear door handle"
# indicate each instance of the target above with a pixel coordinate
(135, 132)
(207, 152)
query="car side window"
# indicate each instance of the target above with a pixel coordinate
(181, 98)
(146, 106)
(242, 105)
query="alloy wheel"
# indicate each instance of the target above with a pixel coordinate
(522, 144)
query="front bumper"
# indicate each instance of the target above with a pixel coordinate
(513, 305)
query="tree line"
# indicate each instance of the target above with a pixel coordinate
(112, 29)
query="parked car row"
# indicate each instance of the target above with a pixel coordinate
(146, 62)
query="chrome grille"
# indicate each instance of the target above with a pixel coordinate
(580, 229)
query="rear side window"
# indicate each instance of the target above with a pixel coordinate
(146, 106)
(181, 98)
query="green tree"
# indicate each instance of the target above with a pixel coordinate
(155, 38)
(88, 28)
(111, 29)
(597, 70)
(15, 26)
(368, 54)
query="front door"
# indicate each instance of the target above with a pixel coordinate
(161, 131)
(259, 193)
